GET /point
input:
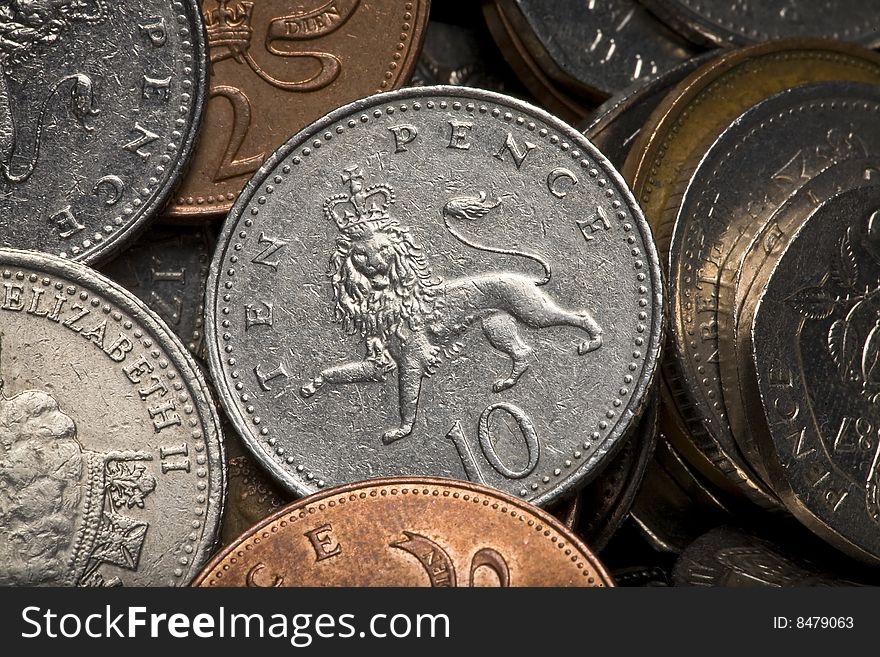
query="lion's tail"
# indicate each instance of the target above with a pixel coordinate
(472, 208)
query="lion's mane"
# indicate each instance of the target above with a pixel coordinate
(24, 23)
(410, 297)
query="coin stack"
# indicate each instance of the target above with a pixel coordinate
(521, 294)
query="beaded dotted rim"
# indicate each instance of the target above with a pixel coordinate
(393, 77)
(146, 330)
(541, 522)
(602, 440)
(152, 196)
(867, 33)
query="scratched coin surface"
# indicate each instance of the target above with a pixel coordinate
(100, 103)
(814, 350)
(112, 471)
(723, 22)
(436, 281)
(278, 65)
(168, 270)
(407, 532)
(597, 48)
(750, 170)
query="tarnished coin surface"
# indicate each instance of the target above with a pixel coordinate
(410, 532)
(99, 107)
(599, 47)
(723, 22)
(814, 346)
(689, 119)
(615, 124)
(456, 54)
(605, 502)
(168, 270)
(750, 170)
(731, 557)
(508, 36)
(746, 274)
(435, 281)
(252, 496)
(278, 65)
(112, 469)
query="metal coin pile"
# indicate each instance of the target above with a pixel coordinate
(289, 287)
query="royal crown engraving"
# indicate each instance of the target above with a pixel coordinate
(230, 33)
(230, 28)
(410, 319)
(62, 507)
(25, 24)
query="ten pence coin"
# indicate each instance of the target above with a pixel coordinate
(436, 281)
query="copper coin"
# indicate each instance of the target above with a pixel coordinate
(251, 495)
(407, 532)
(277, 65)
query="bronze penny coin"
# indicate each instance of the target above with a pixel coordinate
(277, 65)
(411, 532)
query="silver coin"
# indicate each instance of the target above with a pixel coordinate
(747, 273)
(674, 506)
(605, 502)
(111, 468)
(596, 47)
(754, 165)
(167, 268)
(730, 557)
(455, 54)
(814, 350)
(436, 281)
(741, 22)
(99, 107)
(615, 124)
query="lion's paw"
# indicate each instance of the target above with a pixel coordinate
(393, 435)
(591, 345)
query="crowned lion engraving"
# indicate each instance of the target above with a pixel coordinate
(384, 291)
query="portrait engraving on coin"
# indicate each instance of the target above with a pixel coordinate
(111, 467)
(384, 290)
(64, 511)
(99, 106)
